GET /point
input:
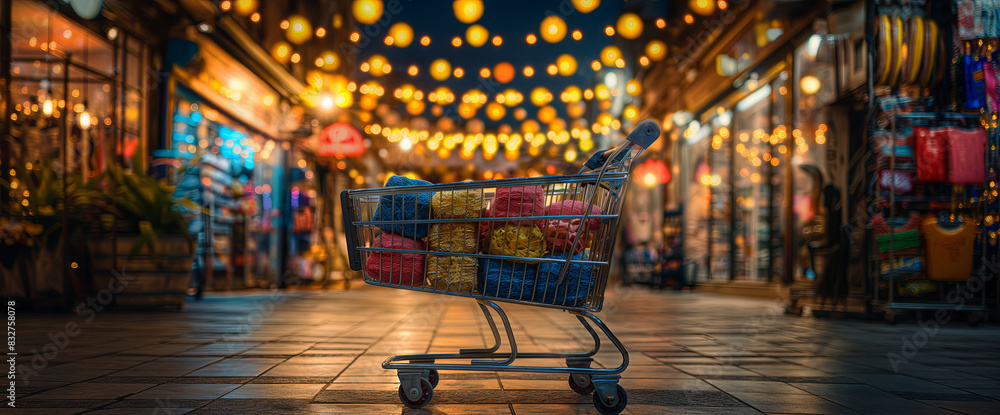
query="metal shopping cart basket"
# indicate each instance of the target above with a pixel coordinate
(539, 241)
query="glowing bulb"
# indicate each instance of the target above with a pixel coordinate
(84, 119)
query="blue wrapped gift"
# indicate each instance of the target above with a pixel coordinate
(507, 279)
(410, 206)
(575, 285)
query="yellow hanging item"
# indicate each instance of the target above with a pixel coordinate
(948, 252)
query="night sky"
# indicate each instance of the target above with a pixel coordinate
(513, 21)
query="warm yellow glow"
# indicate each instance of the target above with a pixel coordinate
(656, 50)
(649, 179)
(255, 17)
(546, 114)
(629, 25)
(553, 29)
(440, 69)
(426, 40)
(299, 30)
(572, 93)
(456, 41)
(610, 54)
(633, 87)
(540, 96)
(476, 35)
(702, 7)
(244, 7)
(328, 60)
(810, 84)
(595, 65)
(459, 72)
(577, 35)
(661, 23)
(566, 64)
(280, 51)
(552, 69)
(495, 111)
(355, 36)
(320, 32)
(84, 119)
(688, 18)
(295, 58)
(630, 112)
(586, 6)
(367, 11)
(497, 40)
(531, 39)
(610, 31)
(413, 70)
(415, 107)
(529, 71)
(468, 11)
(402, 34)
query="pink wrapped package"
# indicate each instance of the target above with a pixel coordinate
(516, 201)
(560, 233)
(396, 267)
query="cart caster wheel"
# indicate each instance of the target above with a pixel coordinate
(618, 406)
(417, 399)
(581, 384)
(432, 377)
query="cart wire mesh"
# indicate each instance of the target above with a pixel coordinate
(542, 241)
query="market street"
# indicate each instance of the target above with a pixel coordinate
(320, 352)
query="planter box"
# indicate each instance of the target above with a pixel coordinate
(142, 281)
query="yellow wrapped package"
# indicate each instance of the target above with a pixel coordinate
(449, 272)
(457, 204)
(452, 273)
(513, 240)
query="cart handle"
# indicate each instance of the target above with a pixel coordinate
(643, 135)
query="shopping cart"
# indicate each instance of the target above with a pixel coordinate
(483, 243)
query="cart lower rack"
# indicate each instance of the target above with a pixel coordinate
(539, 241)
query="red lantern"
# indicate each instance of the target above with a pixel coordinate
(340, 139)
(651, 173)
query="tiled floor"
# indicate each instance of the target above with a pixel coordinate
(321, 352)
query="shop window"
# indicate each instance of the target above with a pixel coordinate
(61, 71)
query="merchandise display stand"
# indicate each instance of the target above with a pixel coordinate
(932, 207)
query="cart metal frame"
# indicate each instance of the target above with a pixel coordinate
(606, 173)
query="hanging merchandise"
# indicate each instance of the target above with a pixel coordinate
(931, 150)
(897, 235)
(950, 245)
(907, 52)
(965, 155)
(932, 153)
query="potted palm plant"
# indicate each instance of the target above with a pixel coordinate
(147, 260)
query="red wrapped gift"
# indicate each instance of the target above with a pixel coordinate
(397, 268)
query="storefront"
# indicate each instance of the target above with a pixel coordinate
(252, 183)
(78, 87)
(758, 143)
(78, 91)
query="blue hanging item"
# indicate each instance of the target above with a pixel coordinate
(507, 279)
(404, 207)
(575, 285)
